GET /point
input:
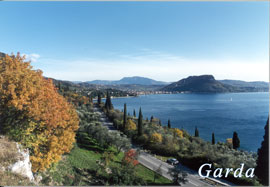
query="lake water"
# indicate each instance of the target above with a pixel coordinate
(245, 113)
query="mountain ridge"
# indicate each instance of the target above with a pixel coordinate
(202, 83)
(129, 80)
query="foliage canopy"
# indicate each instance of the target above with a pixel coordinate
(33, 113)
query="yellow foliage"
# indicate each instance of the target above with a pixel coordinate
(178, 132)
(229, 140)
(33, 112)
(156, 138)
(131, 125)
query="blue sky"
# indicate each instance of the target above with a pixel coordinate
(161, 40)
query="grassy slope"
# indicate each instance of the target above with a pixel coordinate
(64, 173)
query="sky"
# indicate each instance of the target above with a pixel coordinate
(166, 41)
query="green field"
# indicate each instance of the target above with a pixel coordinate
(79, 166)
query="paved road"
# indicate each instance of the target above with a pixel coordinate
(153, 163)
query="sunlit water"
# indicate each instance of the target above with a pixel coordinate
(245, 113)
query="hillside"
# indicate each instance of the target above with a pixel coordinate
(200, 84)
(248, 86)
(129, 80)
(2, 54)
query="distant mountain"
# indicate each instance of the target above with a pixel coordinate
(129, 80)
(208, 84)
(100, 82)
(200, 84)
(76, 82)
(244, 84)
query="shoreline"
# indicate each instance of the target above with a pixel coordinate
(202, 93)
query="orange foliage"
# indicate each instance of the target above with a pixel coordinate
(33, 112)
(76, 99)
(130, 157)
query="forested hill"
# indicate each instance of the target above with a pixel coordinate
(208, 84)
(249, 86)
(203, 83)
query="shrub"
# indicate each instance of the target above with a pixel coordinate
(156, 138)
(131, 125)
(178, 132)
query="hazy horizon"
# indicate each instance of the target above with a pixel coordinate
(152, 79)
(164, 41)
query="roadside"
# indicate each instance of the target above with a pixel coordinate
(160, 166)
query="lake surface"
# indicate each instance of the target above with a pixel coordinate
(245, 113)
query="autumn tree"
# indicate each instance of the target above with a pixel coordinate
(33, 113)
(177, 132)
(131, 157)
(125, 117)
(156, 138)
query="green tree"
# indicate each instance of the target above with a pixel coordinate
(179, 176)
(125, 117)
(108, 103)
(158, 173)
(140, 122)
(125, 175)
(134, 113)
(99, 98)
(196, 132)
(169, 123)
(91, 99)
(235, 140)
(262, 169)
(213, 139)
(151, 119)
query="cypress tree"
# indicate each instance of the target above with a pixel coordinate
(262, 169)
(59, 86)
(90, 99)
(235, 140)
(99, 98)
(140, 122)
(213, 139)
(125, 117)
(196, 132)
(159, 122)
(108, 103)
(169, 123)
(134, 113)
(151, 119)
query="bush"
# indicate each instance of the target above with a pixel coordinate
(156, 138)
